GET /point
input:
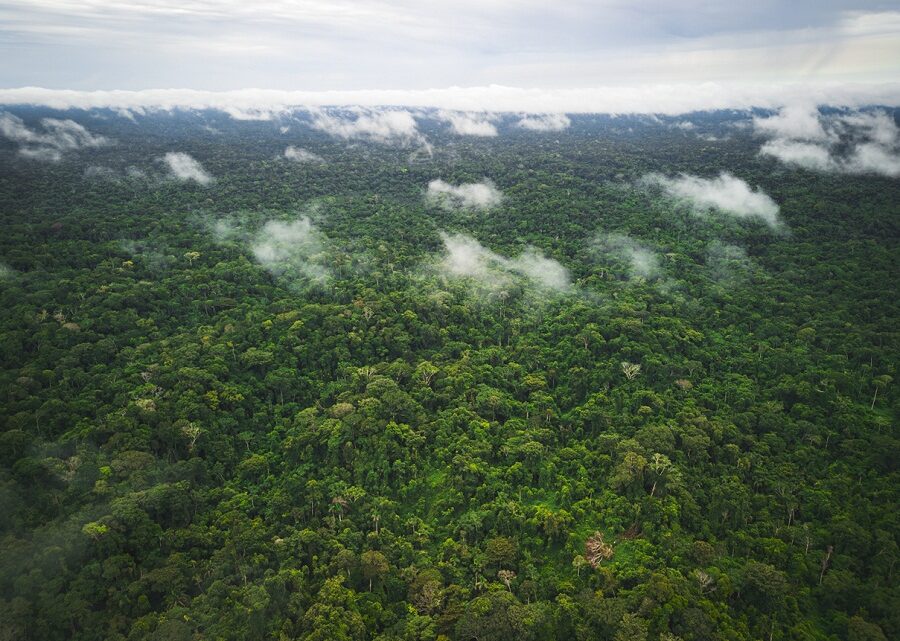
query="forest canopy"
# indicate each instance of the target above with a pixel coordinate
(382, 374)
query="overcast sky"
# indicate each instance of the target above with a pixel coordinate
(318, 45)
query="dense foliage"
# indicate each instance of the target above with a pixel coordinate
(195, 446)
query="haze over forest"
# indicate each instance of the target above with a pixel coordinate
(447, 321)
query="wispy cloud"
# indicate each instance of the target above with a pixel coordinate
(803, 137)
(725, 193)
(464, 257)
(300, 155)
(469, 124)
(57, 137)
(183, 167)
(639, 260)
(544, 122)
(384, 126)
(481, 195)
(291, 250)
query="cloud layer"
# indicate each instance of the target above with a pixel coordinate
(183, 167)
(671, 99)
(802, 137)
(57, 137)
(725, 193)
(481, 195)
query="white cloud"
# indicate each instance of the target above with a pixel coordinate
(292, 250)
(481, 195)
(805, 138)
(545, 272)
(872, 158)
(669, 99)
(469, 124)
(793, 122)
(640, 260)
(465, 257)
(879, 126)
(545, 122)
(184, 167)
(802, 154)
(57, 137)
(391, 125)
(302, 155)
(727, 264)
(725, 193)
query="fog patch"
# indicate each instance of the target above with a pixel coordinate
(185, 168)
(49, 145)
(466, 258)
(725, 193)
(384, 126)
(861, 142)
(639, 260)
(469, 124)
(482, 195)
(544, 122)
(727, 264)
(299, 155)
(292, 250)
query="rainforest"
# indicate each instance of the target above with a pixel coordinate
(409, 374)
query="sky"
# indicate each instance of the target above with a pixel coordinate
(417, 45)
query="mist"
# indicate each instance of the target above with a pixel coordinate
(640, 261)
(57, 137)
(469, 124)
(291, 250)
(183, 167)
(803, 137)
(465, 257)
(299, 155)
(383, 126)
(725, 193)
(482, 195)
(544, 122)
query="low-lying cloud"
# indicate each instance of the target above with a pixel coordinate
(803, 137)
(384, 126)
(183, 167)
(667, 99)
(465, 257)
(292, 250)
(57, 137)
(480, 196)
(639, 260)
(725, 193)
(469, 124)
(544, 122)
(299, 155)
